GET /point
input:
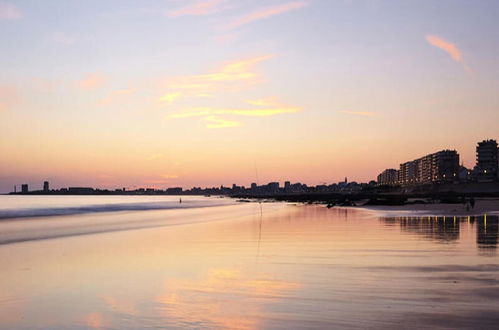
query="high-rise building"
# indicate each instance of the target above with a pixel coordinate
(445, 166)
(24, 188)
(441, 167)
(486, 169)
(45, 186)
(388, 177)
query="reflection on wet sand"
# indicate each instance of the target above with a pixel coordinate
(487, 232)
(95, 320)
(289, 266)
(447, 229)
(218, 299)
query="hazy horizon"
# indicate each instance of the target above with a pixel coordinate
(209, 92)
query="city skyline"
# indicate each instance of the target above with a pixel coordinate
(443, 166)
(210, 92)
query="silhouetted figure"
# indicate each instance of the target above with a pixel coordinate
(472, 202)
(180, 201)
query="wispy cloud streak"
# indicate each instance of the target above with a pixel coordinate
(170, 97)
(449, 48)
(217, 122)
(263, 13)
(231, 76)
(212, 115)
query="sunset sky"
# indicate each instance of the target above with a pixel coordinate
(207, 92)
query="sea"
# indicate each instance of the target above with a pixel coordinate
(190, 262)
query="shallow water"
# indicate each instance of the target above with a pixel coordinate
(246, 266)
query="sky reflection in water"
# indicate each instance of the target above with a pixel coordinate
(293, 267)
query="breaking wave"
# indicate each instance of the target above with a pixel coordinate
(100, 208)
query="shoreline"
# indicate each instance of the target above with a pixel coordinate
(483, 206)
(418, 210)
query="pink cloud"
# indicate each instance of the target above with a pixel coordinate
(446, 46)
(449, 48)
(198, 8)
(263, 13)
(9, 11)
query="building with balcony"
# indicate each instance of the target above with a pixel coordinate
(486, 169)
(439, 167)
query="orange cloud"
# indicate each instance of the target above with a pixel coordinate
(449, 48)
(241, 70)
(231, 76)
(360, 113)
(266, 102)
(9, 11)
(92, 81)
(264, 13)
(170, 97)
(251, 112)
(269, 107)
(216, 122)
(198, 8)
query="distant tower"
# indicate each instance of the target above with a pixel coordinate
(45, 186)
(346, 180)
(24, 188)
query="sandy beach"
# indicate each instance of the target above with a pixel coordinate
(244, 266)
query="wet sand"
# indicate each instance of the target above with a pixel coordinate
(251, 266)
(483, 206)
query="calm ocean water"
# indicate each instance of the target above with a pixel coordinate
(126, 262)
